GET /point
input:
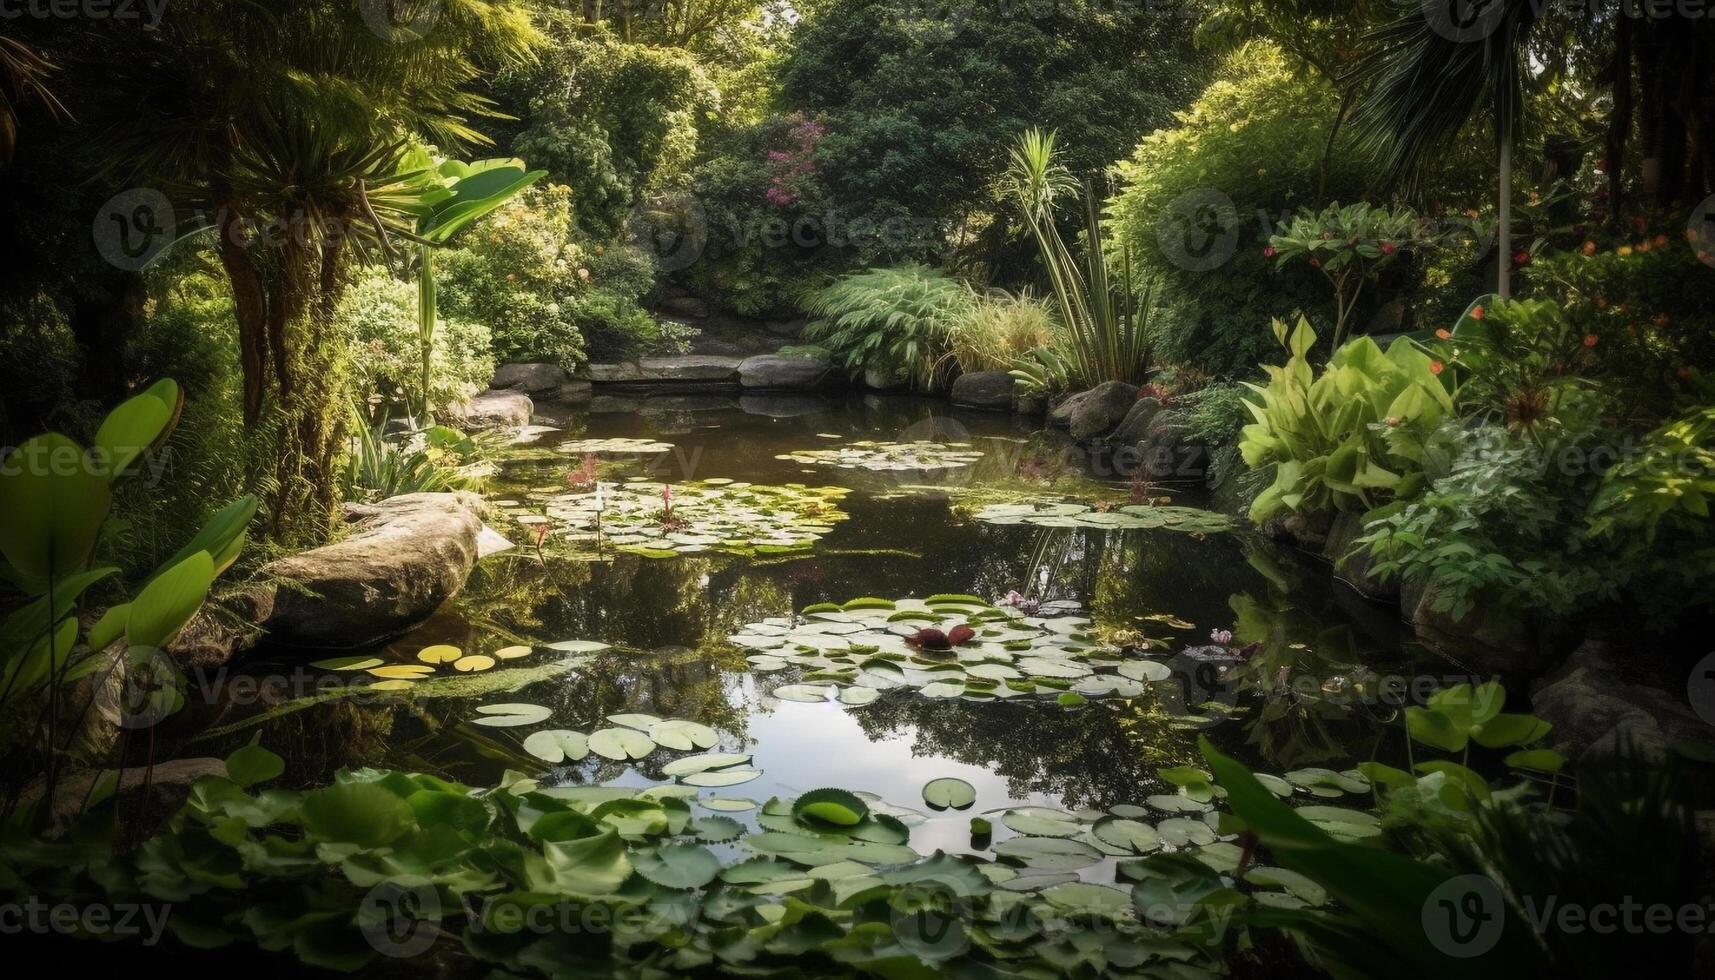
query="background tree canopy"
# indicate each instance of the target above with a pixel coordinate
(920, 102)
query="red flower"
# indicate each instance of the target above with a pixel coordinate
(1521, 259)
(934, 639)
(1589, 340)
(1436, 367)
(1444, 334)
(1315, 263)
(1268, 253)
(1477, 313)
(1388, 248)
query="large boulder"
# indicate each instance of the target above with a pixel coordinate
(404, 557)
(1134, 428)
(984, 389)
(771, 372)
(684, 368)
(1486, 639)
(1597, 701)
(494, 410)
(1094, 413)
(546, 382)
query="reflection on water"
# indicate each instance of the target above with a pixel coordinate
(668, 618)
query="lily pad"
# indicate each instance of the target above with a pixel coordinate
(721, 777)
(831, 806)
(1130, 517)
(439, 654)
(949, 793)
(621, 744)
(703, 763)
(681, 866)
(511, 715)
(348, 663)
(683, 736)
(1049, 853)
(556, 745)
(888, 456)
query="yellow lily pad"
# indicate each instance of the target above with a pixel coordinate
(402, 671)
(439, 654)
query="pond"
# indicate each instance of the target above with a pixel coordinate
(651, 634)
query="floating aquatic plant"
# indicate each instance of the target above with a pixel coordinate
(945, 646)
(614, 447)
(658, 521)
(921, 456)
(1126, 518)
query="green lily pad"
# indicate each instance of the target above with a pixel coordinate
(831, 806)
(556, 745)
(949, 793)
(681, 866)
(621, 744)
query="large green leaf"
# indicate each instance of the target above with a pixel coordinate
(27, 623)
(168, 602)
(595, 865)
(222, 536)
(138, 424)
(1388, 893)
(52, 505)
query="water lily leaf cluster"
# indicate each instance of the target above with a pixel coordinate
(945, 646)
(660, 521)
(431, 661)
(811, 888)
(921, 456)
(1124, 518)
(614, 447)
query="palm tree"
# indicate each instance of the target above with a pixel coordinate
(23, 75)
(1107, 325)
(287, 122)
(1429, 75)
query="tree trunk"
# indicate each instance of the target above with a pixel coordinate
(1504, 238)
(1620, 124)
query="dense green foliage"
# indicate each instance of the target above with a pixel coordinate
(919, 104)
(891, 321)
(616, 121)
(1346, 438)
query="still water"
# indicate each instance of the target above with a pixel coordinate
(906, 534)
